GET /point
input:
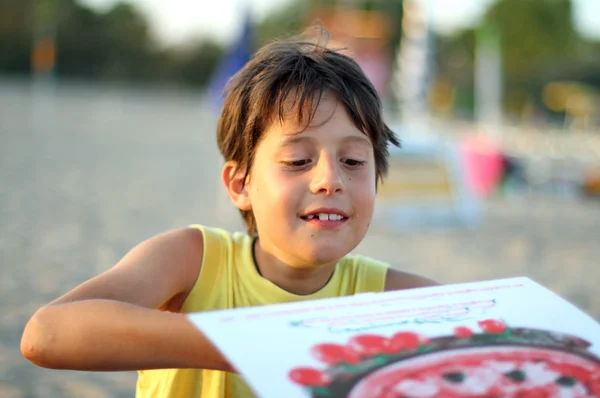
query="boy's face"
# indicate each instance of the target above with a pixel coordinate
(313, 192)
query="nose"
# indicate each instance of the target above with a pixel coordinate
(327, 177)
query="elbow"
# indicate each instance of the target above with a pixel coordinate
(36, 341)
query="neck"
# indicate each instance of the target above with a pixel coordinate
(296, 280)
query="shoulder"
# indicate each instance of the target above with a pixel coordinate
(178, 251)
(400, 280)
(219, 243)
(186, 241)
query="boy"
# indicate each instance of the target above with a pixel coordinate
(304, 143)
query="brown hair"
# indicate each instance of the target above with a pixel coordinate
(289, 77)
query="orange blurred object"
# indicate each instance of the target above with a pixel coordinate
(591, 183)
(364, 35)
(43, 55)
(354, 27)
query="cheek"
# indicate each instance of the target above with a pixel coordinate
(366, 200)
(274, 191)
(363, 184)
(363, 191)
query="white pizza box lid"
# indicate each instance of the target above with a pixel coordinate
(271, 346)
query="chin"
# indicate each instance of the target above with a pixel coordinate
(327, 251)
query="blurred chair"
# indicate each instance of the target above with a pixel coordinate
(427, 185)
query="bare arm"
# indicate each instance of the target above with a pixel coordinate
(399, 280)
(112, 322)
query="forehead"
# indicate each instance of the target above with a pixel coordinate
(327, 114)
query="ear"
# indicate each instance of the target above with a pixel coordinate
(233, 179)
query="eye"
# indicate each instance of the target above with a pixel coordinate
(296, 163)
(353, 163)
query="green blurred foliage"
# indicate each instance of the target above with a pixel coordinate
(282, 22)
(15, 35)
(538, 40)
(191, 65)
(115, 45)
(534, 33)
(539, 44)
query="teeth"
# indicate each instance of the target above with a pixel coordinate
(324, 217)
(333, 217)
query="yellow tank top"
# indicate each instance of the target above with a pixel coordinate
(229, 279)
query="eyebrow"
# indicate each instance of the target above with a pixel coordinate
(361, 139)
(351, 138)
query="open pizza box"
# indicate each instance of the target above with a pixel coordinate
(502, 338)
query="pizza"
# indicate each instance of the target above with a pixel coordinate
(483, 372)
(496, 362)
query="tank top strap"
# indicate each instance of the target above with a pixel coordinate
(369, 274)
(212, 289)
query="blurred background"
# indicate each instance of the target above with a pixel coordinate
(107, 136)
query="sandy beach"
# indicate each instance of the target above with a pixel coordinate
(87, 173)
